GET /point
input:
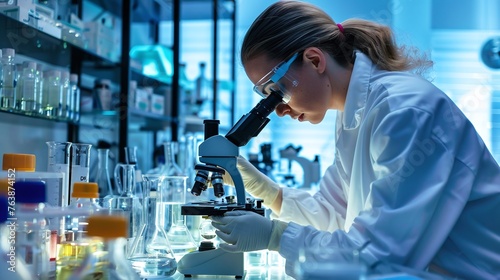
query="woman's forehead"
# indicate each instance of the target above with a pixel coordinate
(259, 66)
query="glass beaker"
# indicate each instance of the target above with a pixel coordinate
(150, 254)
(59, 156)
(127, 201)
(180, 237)
(106, 191)
(80, 163)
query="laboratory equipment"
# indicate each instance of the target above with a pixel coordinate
(65, 111)
(311, 169)
(106, 190)
(109, 260)
(207, 260)
(127, 202)
(28, 88)
(181, 239)
(75, 97)
(219, 154)
(52, 93)
(59, 161)
(75, 244)
(12, 267)
(80, 163)
(151, 254)
(32, 233)
(103, 96)
(8, 80)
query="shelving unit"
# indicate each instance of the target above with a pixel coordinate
(58, 53)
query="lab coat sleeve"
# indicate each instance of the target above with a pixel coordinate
(409, 208)
(325, 210)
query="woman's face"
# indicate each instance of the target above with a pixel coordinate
(313, 95)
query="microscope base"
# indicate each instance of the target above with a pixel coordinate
(212, 262)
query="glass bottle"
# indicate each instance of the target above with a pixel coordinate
(65, 111)
(72, 250)
(39, 93)
(109, 260)
(103, 96)
(151, 255)
(75, 97)
(11, 266)
(8, 80)
(28, 88)
(32, 233)
(52, 93)
(203, 90)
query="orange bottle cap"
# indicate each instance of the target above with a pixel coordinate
(107, 226)
(85, 190)
(19, 162)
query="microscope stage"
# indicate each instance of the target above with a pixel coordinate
(214, 208)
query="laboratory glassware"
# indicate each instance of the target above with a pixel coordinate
(27, 88)
(127, 201)
(151, 254)
(181, 239)
(52, 93)
(75, 97)
(8, 80)
(107, 261)
(59, 161)
(71, 251)
(65, 111)
(80, 163)
(107, 193)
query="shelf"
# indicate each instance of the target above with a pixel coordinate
(33, 116)
(30, 41)
(139, 120)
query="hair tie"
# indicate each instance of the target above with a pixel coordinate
(341, 28)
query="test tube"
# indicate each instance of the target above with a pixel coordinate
(80, 163)
(59, 156)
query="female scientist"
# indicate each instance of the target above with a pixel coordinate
(412, 183)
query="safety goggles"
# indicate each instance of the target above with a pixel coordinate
(278, 80)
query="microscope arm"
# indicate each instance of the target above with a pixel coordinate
(218, 150)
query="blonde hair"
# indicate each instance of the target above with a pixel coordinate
(287, 27)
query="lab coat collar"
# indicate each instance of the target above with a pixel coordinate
(357, 91)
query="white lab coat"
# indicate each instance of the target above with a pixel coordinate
(411, 176)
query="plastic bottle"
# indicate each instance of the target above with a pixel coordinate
(28, 88)
(109, 261)
(8, 80)
(75, 98)
(32, 234)
(12, 267)
(72, 250)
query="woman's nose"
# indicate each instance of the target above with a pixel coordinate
(283, 109)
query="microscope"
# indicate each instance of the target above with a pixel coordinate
(311, 169)
(219, 155)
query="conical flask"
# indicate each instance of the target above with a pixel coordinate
(106, 191)
(151, 254)
(180, 237)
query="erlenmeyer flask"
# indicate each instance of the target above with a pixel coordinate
(150, 254)
(171, 168)
(180, 237)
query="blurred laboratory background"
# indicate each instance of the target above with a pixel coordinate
(151, 71)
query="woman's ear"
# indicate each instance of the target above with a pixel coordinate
(316, 58)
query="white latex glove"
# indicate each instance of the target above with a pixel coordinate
(256, 183)
(245, 231)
